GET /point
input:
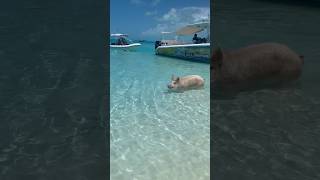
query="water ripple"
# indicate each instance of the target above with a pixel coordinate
(152, 130)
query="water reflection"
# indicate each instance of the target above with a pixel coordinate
(268, 132)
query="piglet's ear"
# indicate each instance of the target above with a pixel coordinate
(178, 79)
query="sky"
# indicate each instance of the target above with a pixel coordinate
(145, 19)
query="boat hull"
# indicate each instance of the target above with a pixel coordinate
(126, 47)
(194, 52)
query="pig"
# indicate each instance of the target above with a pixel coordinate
(266, 61)
(181, 84)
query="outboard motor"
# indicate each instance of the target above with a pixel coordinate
(157, 44)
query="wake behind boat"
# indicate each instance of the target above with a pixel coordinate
(121, 41)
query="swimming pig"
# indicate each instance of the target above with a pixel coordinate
(186, 83)
(256, 62)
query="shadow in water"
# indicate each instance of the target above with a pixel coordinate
(230, 91)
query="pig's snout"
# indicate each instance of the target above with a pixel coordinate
(170, 86)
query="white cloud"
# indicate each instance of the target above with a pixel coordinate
(187, 14)
(171, 16)
(151, 13)
(176, 18)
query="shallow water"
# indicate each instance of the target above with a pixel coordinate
(156, 134)
(269, 133)
(52, 90)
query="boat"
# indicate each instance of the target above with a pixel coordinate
(121, 41)
(198, 50)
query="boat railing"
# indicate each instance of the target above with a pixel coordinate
(170, 42)
(174, 42)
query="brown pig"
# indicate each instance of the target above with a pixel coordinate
(256, 62)
(186, 83)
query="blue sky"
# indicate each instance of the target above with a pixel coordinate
(145, 19)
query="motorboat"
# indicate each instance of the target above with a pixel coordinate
(121, 41)
(196, 50)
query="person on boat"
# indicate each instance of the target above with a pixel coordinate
(121, 41)
(203, 40)
(195, 39)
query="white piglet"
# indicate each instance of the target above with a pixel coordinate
(186, 83)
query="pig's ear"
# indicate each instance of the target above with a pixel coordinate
(177, 80)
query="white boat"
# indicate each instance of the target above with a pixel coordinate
(121, 41)
(198, 50)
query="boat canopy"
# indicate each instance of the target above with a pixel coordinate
(193, 28)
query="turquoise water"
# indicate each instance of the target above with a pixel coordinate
(156, 134)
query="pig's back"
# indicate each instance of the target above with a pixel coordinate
(266, 51)
(258, 61)
(192, 80)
